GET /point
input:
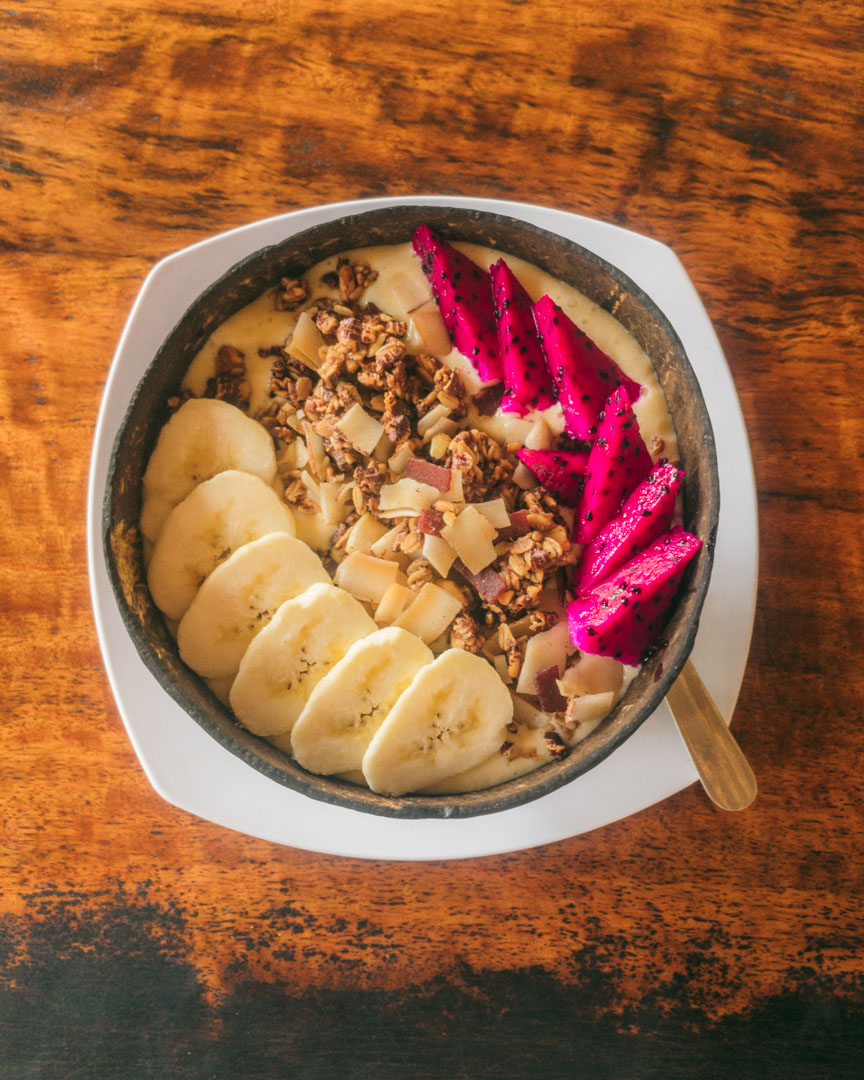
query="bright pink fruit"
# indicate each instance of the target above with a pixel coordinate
(526, 375)
(622, 616)
(618, 461)
(646, 514)
(464, 295)
(583, 374)
(559, 471)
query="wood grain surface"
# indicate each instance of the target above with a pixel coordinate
(137, 941)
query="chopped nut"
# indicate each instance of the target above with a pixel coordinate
(353, 279)
(327, 321)
(340, 536)
(177, 400)
(397, 424)
(292, 293)
(420, 571)
(465, 634)
(538, 621)
(480, 460)
(348, 332)
(515, 655)
(555, 745)
(450, 390)
(439, 445)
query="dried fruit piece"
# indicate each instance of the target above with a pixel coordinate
(526, 374)
(618, 461)
(488, 583)
(560, 471)
(430, 522)
(488, 400)
(428, 473)
(518, 526)
(622, 616)
(646, 514)
(583, 374)
(551, 699)
(464, 295)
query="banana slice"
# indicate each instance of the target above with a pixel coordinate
(204, 437)
(452, 716)
(215, 519)
(287, 660)
(351, 702)
(240, 597)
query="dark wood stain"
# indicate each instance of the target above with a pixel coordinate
(113, 975)
(137, 941)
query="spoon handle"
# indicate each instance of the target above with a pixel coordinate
(724, 771)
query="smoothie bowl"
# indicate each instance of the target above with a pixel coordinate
(414, 512)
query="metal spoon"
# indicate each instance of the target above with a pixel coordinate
(724, 771)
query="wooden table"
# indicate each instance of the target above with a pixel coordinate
(137, 941)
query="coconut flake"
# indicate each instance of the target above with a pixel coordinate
(366, 577)
(439, 553)
(360, 429)
(306, 341)
(430, 614)
(471, 536)
(431, 418)
(407, 495)
(495, 512)
(395, 600)
(432, 331)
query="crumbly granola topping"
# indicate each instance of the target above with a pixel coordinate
(292, 292)
(465, 634)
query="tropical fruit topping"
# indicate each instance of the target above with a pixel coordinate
(623, 615)
(464, 295)
(583, 374)
(526, 374)
(617, 462)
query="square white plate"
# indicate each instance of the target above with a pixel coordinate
(194, 772)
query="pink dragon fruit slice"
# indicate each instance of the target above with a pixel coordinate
(622, 616)
(464, 295)
(559, 471)
(618, 461)
(646, 514)
(583, 374)
(526, 374)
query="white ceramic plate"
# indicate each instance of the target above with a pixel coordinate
(192, 771)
